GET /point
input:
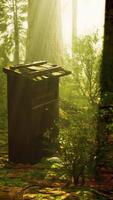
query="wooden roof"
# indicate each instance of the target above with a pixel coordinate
(37, 70)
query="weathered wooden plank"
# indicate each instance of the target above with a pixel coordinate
(28, 65)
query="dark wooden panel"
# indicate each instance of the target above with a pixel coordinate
(28, 126)
(18, 119)
(44, 129)
(44, 87)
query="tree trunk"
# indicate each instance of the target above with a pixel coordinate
(44, 31)
(107, 61)
(16, 32)
(74, 19)
(105, 132)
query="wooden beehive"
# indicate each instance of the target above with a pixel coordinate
(33, 110)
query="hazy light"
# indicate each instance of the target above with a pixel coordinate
(90, 17)
(67, 22)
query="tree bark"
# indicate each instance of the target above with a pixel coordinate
(105, 131)
(74, 19)
(16, 32)
(107, 61)
(44, 31)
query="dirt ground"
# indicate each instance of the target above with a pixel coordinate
(45, 180)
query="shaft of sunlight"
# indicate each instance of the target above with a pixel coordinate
(90, 18)
(66, 22)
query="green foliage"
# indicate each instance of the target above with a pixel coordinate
(7, 44)
(8, 28)
(105, 137)
(79, 107)
(82, 87)
(78, 143)
(11, 182)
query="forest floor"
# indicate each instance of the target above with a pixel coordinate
(45, 180)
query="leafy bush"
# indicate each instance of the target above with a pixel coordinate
(78, 144)
(79, 106)
(82, 87)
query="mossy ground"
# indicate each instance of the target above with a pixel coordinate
(44, 180)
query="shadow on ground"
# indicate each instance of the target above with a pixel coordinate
(42, 181)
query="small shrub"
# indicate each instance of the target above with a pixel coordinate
(78, 145)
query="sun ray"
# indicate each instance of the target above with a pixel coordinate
(90, 17)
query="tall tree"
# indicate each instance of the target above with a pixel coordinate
(44, 31)
(11, 25)
(5, 39)
(105, 133)
(13, 15)
(19, 18)
(107, 61)
(74, 19)
(16, 32)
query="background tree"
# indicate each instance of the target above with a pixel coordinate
(12, 35)
(5, 47)
(20, 30)
(82, 87)
(44, 31)
(16, 32)
(13, 19)
(74, 19)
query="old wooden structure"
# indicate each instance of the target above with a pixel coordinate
(33, 111)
